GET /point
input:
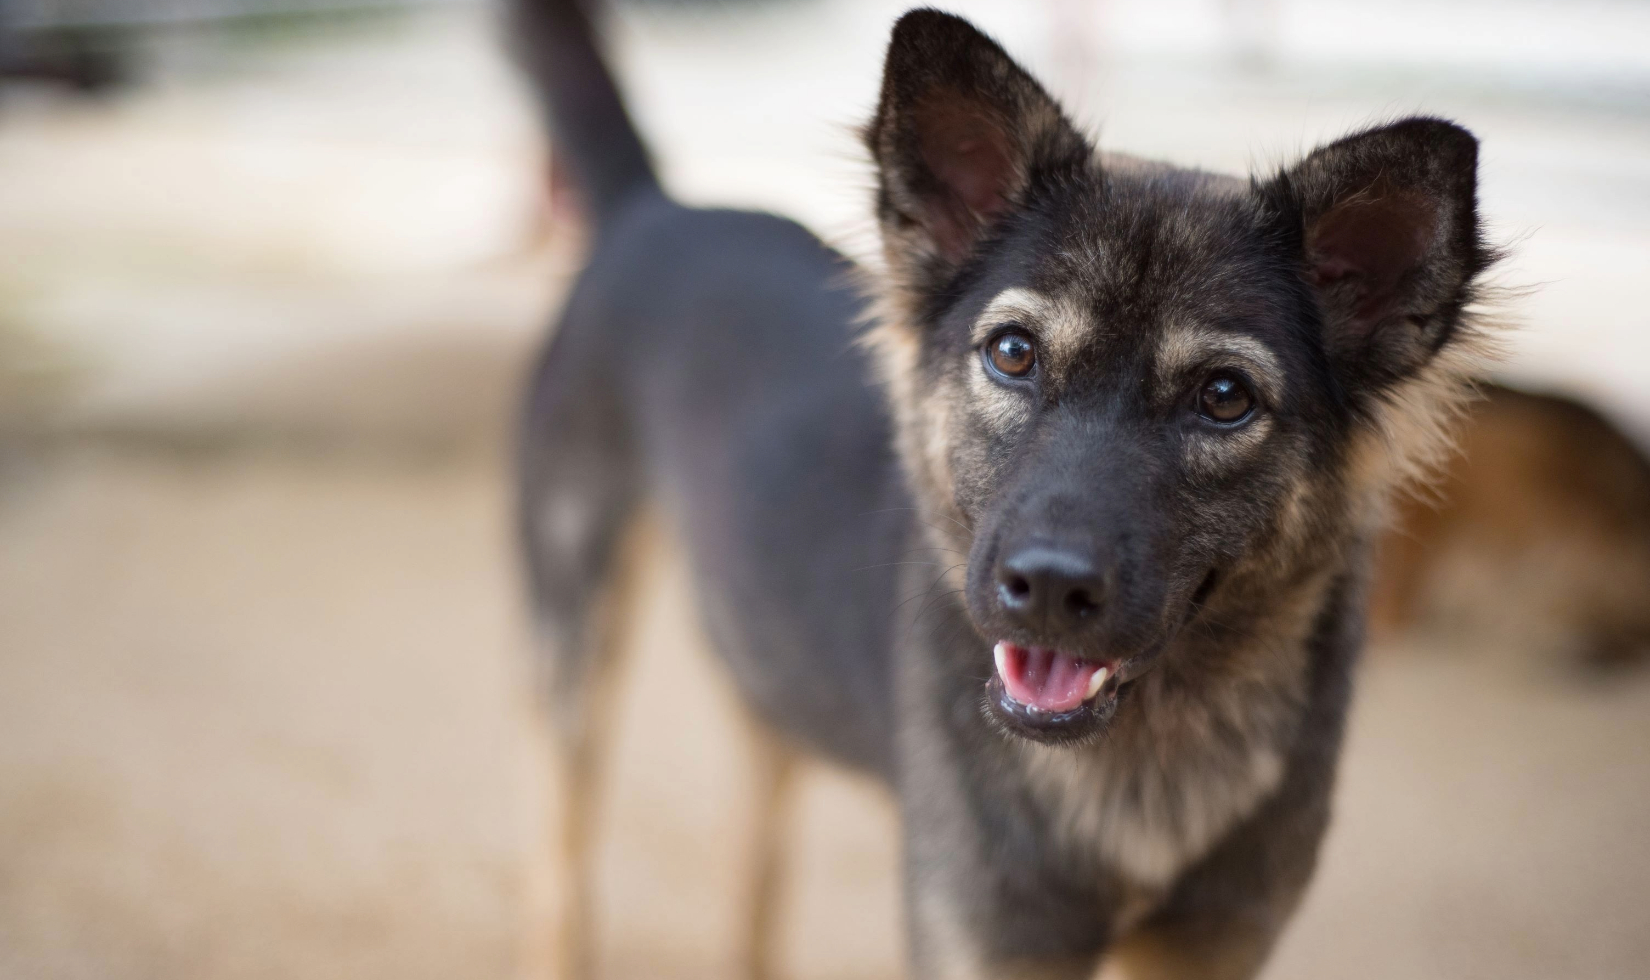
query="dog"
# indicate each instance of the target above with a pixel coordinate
(1069, 547)
(1535, 537)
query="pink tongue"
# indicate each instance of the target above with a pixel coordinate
(1045, 679)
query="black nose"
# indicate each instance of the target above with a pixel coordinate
(1043, 587)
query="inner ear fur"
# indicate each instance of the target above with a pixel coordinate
(1386, 224)
(960, 135)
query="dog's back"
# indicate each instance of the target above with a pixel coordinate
(706, 358)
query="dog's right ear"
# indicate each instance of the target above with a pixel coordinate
(962, 135)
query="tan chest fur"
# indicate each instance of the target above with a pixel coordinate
(1184, 762)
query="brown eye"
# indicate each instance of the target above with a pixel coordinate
(1225, 398)
(1011, 354)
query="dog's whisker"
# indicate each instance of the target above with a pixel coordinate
(924, 592)
(928, 603)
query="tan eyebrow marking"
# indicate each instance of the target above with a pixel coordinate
(1010, 304)
(1184, 348)
(1059, 326)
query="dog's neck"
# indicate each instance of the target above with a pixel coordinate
(1200, 743)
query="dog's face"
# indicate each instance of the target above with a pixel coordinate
(1136, 396)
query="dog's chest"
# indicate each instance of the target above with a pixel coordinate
(1178, 771)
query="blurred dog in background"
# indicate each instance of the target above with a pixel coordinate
(1536, 537)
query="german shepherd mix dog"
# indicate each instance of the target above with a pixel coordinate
(1071, 550)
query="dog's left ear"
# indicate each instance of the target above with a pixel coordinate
(1385, 223)
(962, 135)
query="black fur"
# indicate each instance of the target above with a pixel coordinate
(850, 559)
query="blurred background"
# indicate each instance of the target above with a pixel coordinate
(270, 274)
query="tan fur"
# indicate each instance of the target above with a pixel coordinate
(1060, 329)
(1025, 306)
(1212, 453)
(1185, 347)
(1193, 951)
(774, 768)
(955, 955)
(1060, 326)
(922, 420)
(580, 736)
(1538, 536)
(561, 948)
(1412, 439)
(1167, 783)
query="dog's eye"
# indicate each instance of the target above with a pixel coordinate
(1011, 354)
(1225, 398)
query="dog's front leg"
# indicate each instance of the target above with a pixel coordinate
(1229, 948)
(951, 940)
(985, 898)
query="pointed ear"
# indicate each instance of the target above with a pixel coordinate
(1386, 224)
(960, 136)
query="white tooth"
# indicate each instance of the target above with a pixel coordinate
(1097, 682)
(1000, 653)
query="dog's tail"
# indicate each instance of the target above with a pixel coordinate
(556, 47)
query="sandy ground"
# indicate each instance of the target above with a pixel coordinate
(263, 699)
(264, 716)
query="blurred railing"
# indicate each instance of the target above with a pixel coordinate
(88, 44)
(48, 15)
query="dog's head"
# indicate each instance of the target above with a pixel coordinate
(1133, 395)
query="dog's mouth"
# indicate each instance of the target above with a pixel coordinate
(1049, 695)
(1046, 681)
